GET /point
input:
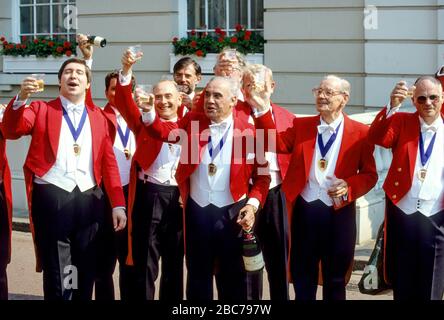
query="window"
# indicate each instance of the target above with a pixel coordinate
(45, 18)
(206, 15)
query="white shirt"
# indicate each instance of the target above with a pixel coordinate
(163, 169)
(69, 170)
(427, 196)
(318, 184)
(205, 189)
(123, 163)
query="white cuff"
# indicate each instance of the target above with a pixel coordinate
(125, 80)
(254, 202)
(119, 208)
(391, 111)
(149, 117)
(258, 114)
(440, 72)
(89, 63)
(2, 112)
(18, 103)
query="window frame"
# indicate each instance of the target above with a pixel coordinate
(16, 32)
(183, 19)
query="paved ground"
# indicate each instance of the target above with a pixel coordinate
(26, 284)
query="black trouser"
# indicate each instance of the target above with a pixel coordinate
(271, 228)
(66, 226)
(319, 233)
(112, 247)
(4, 245)
(158, 232)
(415, 254)
(214, 246)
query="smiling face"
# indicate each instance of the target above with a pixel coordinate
(166, 99)
(187, 78)
(74, 82)
(428, 99)
(219, 100)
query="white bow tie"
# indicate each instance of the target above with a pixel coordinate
(425, 128)
(324, 127)
(76, 108)
(219, 126)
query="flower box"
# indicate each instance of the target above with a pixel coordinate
(32, 64)
(207, 63)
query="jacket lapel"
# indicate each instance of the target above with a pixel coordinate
(348, 138)
(54, 124)
(96, 135)
(309, 144)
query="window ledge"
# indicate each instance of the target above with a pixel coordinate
(32, 64)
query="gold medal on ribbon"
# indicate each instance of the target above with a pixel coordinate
(127, 154)
(322, 164)
(77, 149)
(422, 174)
(212, 169)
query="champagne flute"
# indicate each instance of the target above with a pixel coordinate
(143, 91)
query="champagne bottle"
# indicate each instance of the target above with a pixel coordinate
(251, 252)
(97, 41)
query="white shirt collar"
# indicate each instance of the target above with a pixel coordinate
(223, 124)
(433, 127)
(68, 105)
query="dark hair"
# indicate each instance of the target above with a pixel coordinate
(185, 62)
(115, 75)
(75, 60)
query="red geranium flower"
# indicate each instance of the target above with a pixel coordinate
(24, 38)
(10, 46)
(68, 53)
(23, 46)
(36, 41)
(193, 44)
(233, 39)
(43, 41)
(220, 39)
(66, 44)
(193, 32)
(59, 49)
(18, 46)
(238, 27)
(175, 39)
(223, 33)
(5, 43)
(2, 39)
(51, 44)
(199, 53)
(247, 35)
(218, 30)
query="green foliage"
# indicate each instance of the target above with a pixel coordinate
(199, 44)
(40, 47)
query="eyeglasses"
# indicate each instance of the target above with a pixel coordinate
(423, 99)
(328, 93)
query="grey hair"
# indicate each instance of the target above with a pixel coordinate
(256, 68)
(233, 86)
(345, 85)
(432, 79)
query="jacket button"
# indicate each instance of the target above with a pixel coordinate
(396, 183)
(394, 196)
(399, 169)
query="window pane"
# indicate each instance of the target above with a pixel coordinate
(196, 14)
(58, 19)
(238, 13)
(42, 1)
(25, 1)
(26, 19)
(217, 14)
(257, 14)
(43, 21)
